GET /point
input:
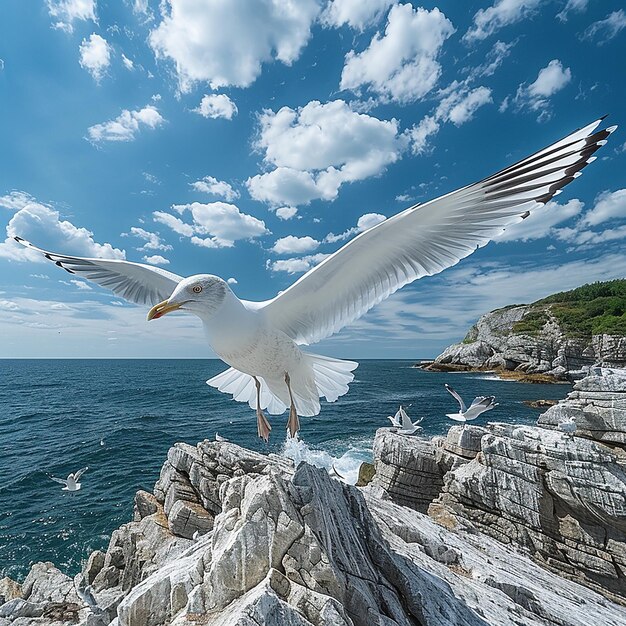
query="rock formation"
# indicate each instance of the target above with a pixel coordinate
(230, 537)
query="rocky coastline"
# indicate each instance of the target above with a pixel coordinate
(497, 524)
(513, 344)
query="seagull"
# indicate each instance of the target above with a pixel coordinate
(478, 406)
(262, 342)
(71, 482)
(568, 426)
(219, 437)
(402, 422)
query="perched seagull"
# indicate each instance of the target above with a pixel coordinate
(219, 437)
(407, 427)
(568, 426)
(71, 482)
(261, 341)
(478, 406)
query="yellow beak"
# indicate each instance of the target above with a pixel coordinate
(159, 310)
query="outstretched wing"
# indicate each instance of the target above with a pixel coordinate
(425, 239)
(135, 282)
(479, 406)
(458, 398)
(61, 481)
(79, 473)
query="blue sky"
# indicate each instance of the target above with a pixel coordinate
(248, 139)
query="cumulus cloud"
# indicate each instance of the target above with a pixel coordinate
(153, 241)
(95, 55)
(43, 225)
(226, 43)
(365, 222)
(607, 206)
(401, 65)
(156, 259)
(68, 11)
(215, 106)
(357, 14)
(222, 222)
(296, 265)
(501, 13)
(536, 96)
(215, 187)
(493, 59)
(317, 148)
(126, 125)
(16, 200)
(295, 245)
(231, 281)
(604, 30)
(286, 212)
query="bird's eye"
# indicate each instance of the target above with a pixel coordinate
(197, 289)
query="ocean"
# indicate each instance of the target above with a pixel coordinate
(119, 417)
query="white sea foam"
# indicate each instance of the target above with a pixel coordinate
(347, 464)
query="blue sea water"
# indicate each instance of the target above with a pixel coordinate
(56, 414)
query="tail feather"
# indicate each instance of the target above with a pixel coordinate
(321, 376)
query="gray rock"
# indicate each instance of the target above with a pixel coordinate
(46, 583)
(9, 590)
(145, 504)
(18, 607)
(187, 518)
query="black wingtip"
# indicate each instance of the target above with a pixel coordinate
(18, 239)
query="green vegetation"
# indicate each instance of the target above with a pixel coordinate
(588, 310)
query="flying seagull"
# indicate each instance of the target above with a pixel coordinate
(261, 341)
(403, 424)
(478, 406)
(71, 483)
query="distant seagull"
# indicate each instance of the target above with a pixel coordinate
(196, 535)
(71, 482)
(219, 437)
(403, 424)
(568, 426)
(262, 342)
(102, 442)
(478, 406)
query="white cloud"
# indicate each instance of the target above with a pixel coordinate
(365, 222)
(402, 64)
(126, 125)
(67, 11)
(43, 226)
(231, 281)
(156, 259)
(153, 241)
(223, 222)
(297, 265)
(493, 60)
(128, 64)
(572, 6)
(501, 13)
(215, 187)
(226, 43)
(173, 222)
(608, 205)
(550, 80)
(542, 221)
(319, 147)
(604, 30)
(584, 238)
(357, 14)
(95, 55)
(16, 200)
(81, 284)
(286, 212)
(420, 133)
(216, 106)
(295, 245)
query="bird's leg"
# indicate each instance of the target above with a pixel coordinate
(263, 426)
(293, 423)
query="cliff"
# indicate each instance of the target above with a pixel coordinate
(500, 525)
(560, 336)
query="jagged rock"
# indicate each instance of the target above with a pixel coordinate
(46, 583)
(187, 518)
(406, 469)
(18, 607)
(95, 563)
(9, 590)
(145, 504)
(366, 474)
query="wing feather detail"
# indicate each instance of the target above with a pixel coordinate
(135, 282)
(425, 239)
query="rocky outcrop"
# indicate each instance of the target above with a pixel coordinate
(274, 544)
(529, 339)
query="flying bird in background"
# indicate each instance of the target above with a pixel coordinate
(479, 405)
(71, 483)
(262, 341)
